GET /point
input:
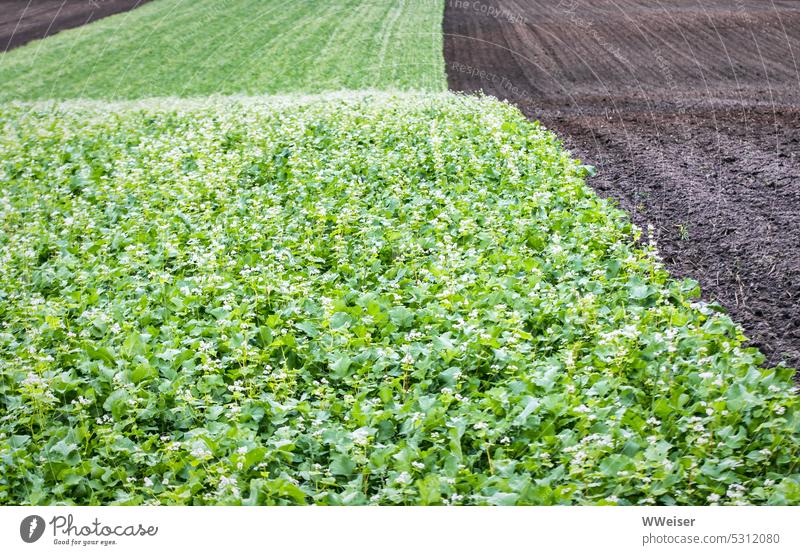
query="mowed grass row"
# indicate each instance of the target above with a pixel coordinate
(205, 47)
(366, 299)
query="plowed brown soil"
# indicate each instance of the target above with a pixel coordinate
(689, 109)
(22, 21)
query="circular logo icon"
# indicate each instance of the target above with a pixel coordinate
(31, 528)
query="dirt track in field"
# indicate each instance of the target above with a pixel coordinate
(22, 21)
(689, 109)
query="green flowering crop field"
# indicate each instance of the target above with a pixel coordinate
(353, 299)
(205, 47)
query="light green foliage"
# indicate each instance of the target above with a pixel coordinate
(353, 300)
(202, 47)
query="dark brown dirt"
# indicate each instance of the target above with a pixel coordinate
(689, 109)
(22, 21)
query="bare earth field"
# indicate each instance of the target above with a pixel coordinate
(690, 111)
(22, 21)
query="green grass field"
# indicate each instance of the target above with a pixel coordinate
(364, 299)
(204, 47)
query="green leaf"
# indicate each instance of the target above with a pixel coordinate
(340, 366)
(339, 320)
(341, 465)
(142, 372)
(401, 316)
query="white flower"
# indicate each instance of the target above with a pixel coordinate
(360, 436)
(735, 491)
(200, 452)
(148, 482)
(713, 498)
(418, 465)
(779, 410)
(33, 380)
(706, 375)
(480, 426)
(81, 400)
